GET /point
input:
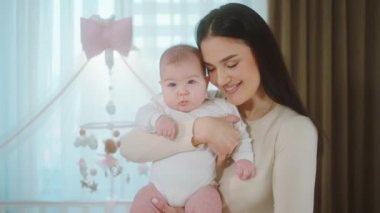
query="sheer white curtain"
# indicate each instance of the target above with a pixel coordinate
(48, 89)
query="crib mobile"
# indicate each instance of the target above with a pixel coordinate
(97, 36)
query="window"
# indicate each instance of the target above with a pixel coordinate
(50, 89)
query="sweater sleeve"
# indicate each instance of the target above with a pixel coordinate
(295, 166)
(140, 146)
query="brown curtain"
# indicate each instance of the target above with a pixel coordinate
(332, 50)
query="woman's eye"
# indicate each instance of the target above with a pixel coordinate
(210, 69)
(232, 65)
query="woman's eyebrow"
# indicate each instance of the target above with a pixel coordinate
(222, 60)
(228, 58)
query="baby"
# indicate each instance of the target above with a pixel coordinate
(186, 180)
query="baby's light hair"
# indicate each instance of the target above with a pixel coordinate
(180, 53)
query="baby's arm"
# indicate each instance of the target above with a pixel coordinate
(151, 117)
(147, 116)
(141, 146)
(244, 155)
(165, 126)
(138, 145)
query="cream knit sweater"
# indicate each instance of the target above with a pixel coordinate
(285, 145)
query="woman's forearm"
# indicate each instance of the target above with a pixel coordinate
(141, 146)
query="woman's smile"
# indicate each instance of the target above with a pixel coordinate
(231, 88)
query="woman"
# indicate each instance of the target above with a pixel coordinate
(245, 63)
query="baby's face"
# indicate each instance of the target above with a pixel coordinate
(183, 84)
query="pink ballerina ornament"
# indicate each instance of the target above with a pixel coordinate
(109, 163)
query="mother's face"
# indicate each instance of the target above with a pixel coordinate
(231, 67)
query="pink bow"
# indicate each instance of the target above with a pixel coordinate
(98, 35)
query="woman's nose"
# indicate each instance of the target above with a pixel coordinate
(222, 77)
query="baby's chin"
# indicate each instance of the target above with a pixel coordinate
(184, 109)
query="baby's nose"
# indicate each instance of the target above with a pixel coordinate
(183, 91)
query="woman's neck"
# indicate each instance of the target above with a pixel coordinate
(256, 107)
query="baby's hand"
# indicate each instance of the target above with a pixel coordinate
(245, 169)
(166, 127)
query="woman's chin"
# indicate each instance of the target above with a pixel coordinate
(233, 99)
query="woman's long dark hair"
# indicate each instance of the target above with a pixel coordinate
(241, 22)
(238, 21)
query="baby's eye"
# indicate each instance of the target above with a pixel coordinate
(192, 82)
(171, 84)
